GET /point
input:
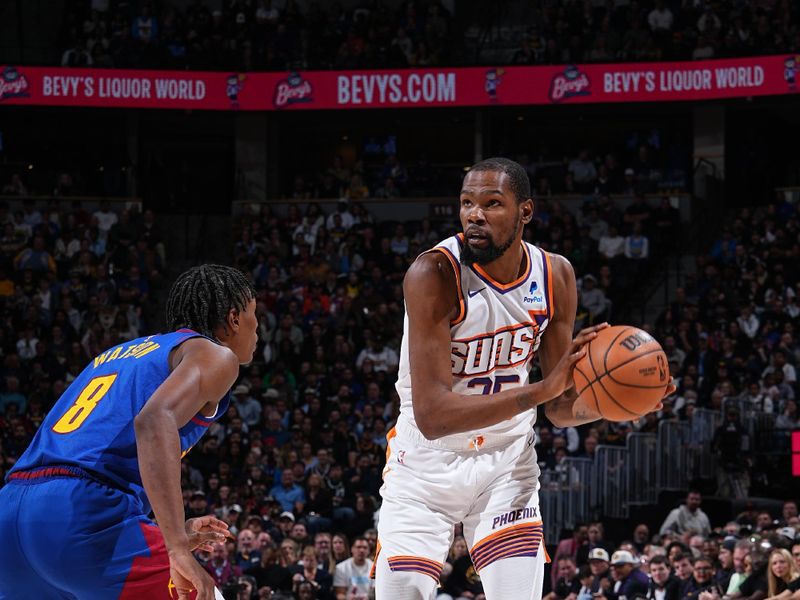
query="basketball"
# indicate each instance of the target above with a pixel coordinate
(624, 373)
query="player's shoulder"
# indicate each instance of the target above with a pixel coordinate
(207, 354)
(562, 268)
(429, 268)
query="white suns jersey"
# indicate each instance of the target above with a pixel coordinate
(493, 339)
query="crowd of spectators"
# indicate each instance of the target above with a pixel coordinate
(575, 32)
(731, 336)
(633, 162)
(74, 280)
(254, 35)
(276, 35)
(755, 556)
(295, 465)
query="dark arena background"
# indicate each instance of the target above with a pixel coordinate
(320, 147)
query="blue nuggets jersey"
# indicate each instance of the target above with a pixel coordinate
(91, 425)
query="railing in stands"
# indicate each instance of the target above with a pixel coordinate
(673, 456)
(84, 201)
(611, 481)
(642, 482)
(620, 477)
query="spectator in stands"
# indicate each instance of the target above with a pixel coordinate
(567, 582)
(36, 258)
(788, 419)
(741, 550)
(569, 547)
(595, 540)
(702, 578)
(730, 442)
(612, 244)
(247, 554)
(379, 354)
(583, 171)
(145, 26)
(309, 571)
(683, 565)
(12, 396)
(269, 573)
(593, 299)
(589, 447)
(781, 572)
(219, 567)
(688, 517)
(352, 575)
(248, 408)
(600, 568)
(629, 580)
(660, 18)
(663, 584)
(288, 494)
(637, 246)
(77, 55)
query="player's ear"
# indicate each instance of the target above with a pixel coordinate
(526, 210)
(232, 320)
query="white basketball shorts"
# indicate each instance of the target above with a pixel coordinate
(427, 490)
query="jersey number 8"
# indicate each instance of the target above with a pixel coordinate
(87, 401)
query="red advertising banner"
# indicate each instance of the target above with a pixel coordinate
(409, 88)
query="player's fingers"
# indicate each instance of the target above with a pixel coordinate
(184, 592)
(576, 356)
(593, 328)
(213, 521)
(671, 389)
(583, 338)
(210, 537)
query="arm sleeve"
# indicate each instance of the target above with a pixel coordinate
(339, 579)
(669, 522)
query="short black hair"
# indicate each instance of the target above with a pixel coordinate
(520, 184)
(659, 559)
(201, 298)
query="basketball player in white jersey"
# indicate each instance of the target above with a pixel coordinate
(479, 307)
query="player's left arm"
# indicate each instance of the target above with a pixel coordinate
(205, 372)
(565, 410)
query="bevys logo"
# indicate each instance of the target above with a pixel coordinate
(13, 84)
(292, 90)
(494, 78)
(791, 66)
(572, 82)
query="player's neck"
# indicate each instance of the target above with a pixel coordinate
(508, 267)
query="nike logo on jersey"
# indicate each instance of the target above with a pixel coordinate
(473, 292)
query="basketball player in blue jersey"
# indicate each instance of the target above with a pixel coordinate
(479, 307)
(74, 513)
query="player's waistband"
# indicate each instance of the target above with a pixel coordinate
(467, 442)
(42, 474)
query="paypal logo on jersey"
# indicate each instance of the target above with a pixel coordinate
(534, 297)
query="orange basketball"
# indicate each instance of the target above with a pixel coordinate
(624, 373)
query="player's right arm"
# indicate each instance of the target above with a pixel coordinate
(202, 373)
(430, 294)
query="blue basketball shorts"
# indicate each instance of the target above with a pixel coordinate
(65, 535)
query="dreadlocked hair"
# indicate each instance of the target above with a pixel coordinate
(201, 298)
